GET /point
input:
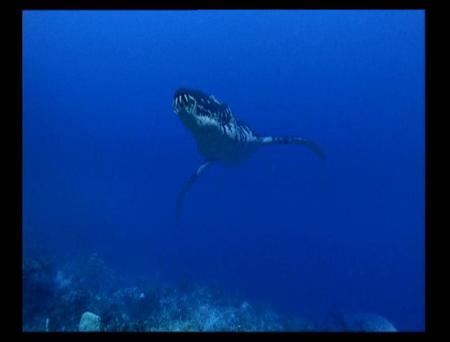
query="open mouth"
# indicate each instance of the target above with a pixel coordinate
(184, 102)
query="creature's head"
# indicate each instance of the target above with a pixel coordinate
(200, 109)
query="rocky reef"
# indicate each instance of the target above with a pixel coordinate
(85, 295)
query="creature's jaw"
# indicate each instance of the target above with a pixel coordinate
(184, 104)
(205, 108)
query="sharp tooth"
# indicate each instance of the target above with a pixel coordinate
(186, 98)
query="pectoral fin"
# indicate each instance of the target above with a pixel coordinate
(189, 183)
(269, 140)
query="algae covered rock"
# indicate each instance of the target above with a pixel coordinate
(89, 322)
(368, 322)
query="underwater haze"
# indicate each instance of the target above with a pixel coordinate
(284, 241)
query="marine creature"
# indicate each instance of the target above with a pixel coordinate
(220, 136)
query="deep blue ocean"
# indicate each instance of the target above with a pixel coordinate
(104, 155)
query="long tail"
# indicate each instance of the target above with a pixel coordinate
(188, 185)
(269, 140)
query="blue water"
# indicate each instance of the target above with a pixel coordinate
(104, 156)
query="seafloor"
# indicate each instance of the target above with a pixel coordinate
(83, 294)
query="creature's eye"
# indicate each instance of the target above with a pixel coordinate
(214, 99)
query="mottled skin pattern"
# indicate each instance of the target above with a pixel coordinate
(219, 135)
